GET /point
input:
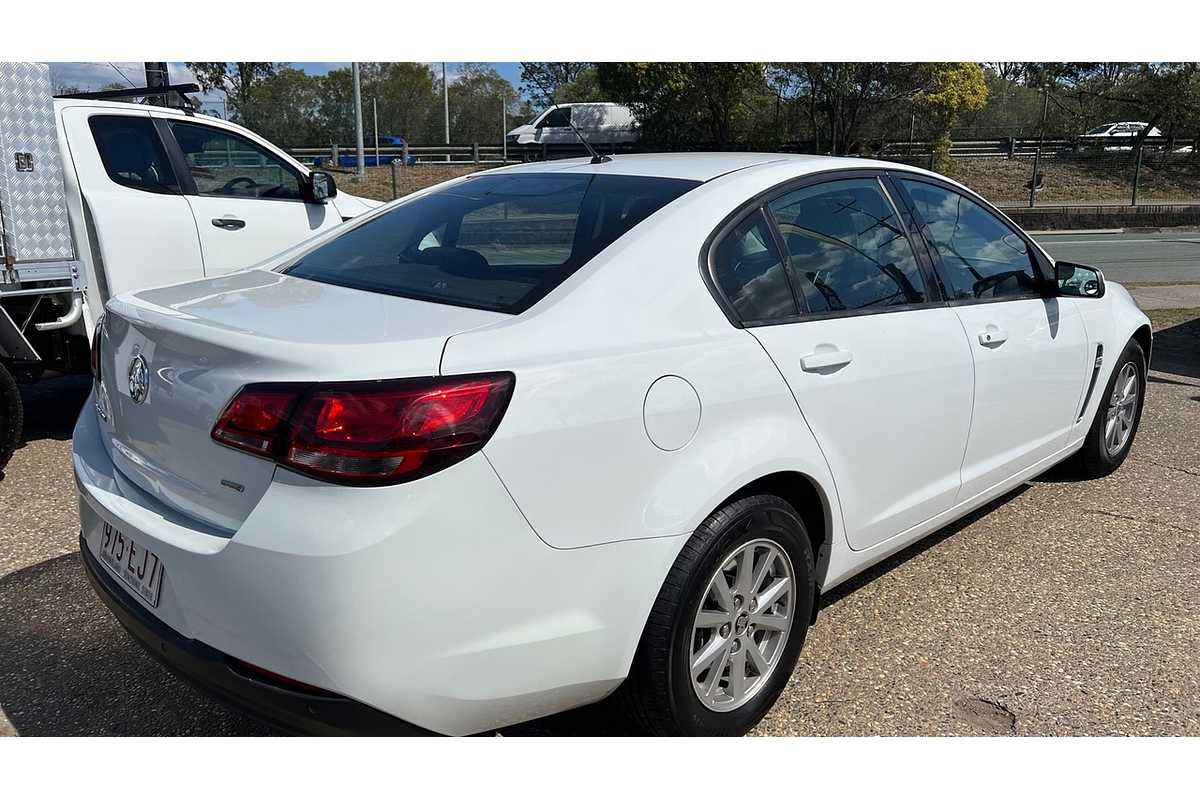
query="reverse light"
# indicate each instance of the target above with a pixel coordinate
(368, 433)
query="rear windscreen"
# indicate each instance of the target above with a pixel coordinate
(495, 242)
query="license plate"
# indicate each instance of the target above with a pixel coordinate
(133, 563)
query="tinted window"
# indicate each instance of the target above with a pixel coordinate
(132, 153)
(748, 269)
(981, 256)
(558, 118)
(230, 166)
(847, 248)
(497, 242)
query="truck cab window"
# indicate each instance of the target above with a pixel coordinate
(226, 165)
(132, 153)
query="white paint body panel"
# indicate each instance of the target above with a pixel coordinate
(556, 538)
(893, 423)
(130, 239)
(1027, 389)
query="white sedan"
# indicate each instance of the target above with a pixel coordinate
(562, 431)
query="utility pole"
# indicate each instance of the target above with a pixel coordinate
(156, 77)
(446, 103)
(358, 120)
(504, 125)
(375, 116)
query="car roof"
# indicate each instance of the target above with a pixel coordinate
(698, 166)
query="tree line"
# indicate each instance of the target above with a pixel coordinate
(839, 108)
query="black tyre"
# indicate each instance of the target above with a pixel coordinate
(1116, 422)
(11, 416)
(737, 601)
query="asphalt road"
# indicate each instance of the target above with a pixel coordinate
(1063, 608)
(1131, 256)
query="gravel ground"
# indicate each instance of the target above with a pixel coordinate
(1066, 608)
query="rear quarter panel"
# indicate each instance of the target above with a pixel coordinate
(573, 448)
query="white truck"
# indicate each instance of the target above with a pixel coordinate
(100, 197)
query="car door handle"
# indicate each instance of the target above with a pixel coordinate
(826, 360)
(229, 223)
(992, 336)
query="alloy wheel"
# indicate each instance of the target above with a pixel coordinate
(1122, 408)
(742, 625)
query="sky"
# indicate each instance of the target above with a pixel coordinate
(92, 75)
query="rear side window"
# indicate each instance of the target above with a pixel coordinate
(496, 242)
(982, 258)
(132, 153)
(848, 251)
(748, 269)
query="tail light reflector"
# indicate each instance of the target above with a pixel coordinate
(95, 354)
(367, 433)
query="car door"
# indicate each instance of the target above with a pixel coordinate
(826, 278)
(555, 127)
(137, 220)
(1029, 347)
(249, 203)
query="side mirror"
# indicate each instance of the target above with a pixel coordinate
(321, 186)
(1077, 280)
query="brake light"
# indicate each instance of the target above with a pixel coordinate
(95, 354)
(369, 433)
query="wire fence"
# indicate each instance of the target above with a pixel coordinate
(1010, 172)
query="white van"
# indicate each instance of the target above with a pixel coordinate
(600, 124)
(98, 198)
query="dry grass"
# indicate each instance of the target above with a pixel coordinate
(1100, 182)
(1002, 181)
(1164, 318)
(377, 183)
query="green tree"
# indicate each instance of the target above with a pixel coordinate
(546, 82)
(287, 106)
(680, 104)
(238, 80)
(477, 96)
(948, 90)
(843, 99)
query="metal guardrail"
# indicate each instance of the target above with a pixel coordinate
(1004, 147)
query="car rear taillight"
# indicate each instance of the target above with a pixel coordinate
(95, 354)
(368, 433)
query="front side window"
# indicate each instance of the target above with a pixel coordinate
(748, 269)
(981, 256)
(132, 153)
(225, 165)
(558, 118)
(495, 242)
(848, 250)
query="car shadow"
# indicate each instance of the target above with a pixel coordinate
(67, 668)
(890, 563)
(51, 406)
(1177, 350)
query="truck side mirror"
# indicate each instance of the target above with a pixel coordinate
(1077, 280)
(321, 186)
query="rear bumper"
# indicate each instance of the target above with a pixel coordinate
(432, 602)
(213, 672)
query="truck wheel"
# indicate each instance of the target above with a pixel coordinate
(11, 416)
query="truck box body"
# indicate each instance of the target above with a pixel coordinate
(33, 206)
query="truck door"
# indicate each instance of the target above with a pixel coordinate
(249, 202)
(136, 216)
